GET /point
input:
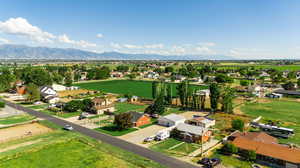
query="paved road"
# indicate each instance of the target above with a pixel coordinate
(155, 156)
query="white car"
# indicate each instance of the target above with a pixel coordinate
(68, 128)
(149, 139)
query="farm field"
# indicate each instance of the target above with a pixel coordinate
(277, 67)
(286, 112)
(62, 149)
(138, 88)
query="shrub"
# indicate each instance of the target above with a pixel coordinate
(229, 148)
(238, 124)
(2, 104)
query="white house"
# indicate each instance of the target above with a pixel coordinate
(49, 95)
(58, 88)
(171, 120)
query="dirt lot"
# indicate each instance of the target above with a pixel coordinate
(22, 131)
(8, 111)
(189, 114)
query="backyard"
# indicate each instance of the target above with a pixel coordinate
(138, 88)
(285, 111)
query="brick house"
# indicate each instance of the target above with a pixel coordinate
(268, 150)
(139, 119)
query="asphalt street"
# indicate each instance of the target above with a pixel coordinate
(155, 156)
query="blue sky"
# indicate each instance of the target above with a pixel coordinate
(240, 28)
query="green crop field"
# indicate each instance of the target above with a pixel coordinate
(62, 149)
(138, 88)
(285, 111)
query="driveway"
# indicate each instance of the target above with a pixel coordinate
(137, 137)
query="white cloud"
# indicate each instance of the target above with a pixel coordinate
(207, 44)
(84, 44)
(21, 27)
(115, 45)
(3, 40)
(99, 35)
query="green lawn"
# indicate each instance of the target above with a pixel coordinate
(16, 119)
(285, 111)
(138, 88)
(113, 131)
(63, 149)
(125, 107)
(231, 162)
(168, 147)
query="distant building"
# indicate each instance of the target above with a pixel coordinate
(58, 87)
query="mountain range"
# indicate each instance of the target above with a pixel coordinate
(9, 51)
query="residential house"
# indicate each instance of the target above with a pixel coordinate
(203, 92)
(83, 76)
(287, 92)
(202, 122)
(192, 133)
(49, 95)
(256, 90)
(197, 79)
(179, 78)
(139, 119)
(20, 88)
(152, 75)
(171, 120)
(268, 150)
(102, 105)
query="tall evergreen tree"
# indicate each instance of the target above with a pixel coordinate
(214, 96)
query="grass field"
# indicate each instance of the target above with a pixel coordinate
(285, 111)
(16, 119)
(61, 149)
(138, 88)
(125, 107)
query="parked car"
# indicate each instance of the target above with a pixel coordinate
(210, 163)
(83, 116)
(215, 161)
(149, 139)
(204, 161)
(68, 128)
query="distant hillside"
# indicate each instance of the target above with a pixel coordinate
(26, 52)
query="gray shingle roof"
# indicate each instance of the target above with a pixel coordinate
(174, 117)
(196, 130)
